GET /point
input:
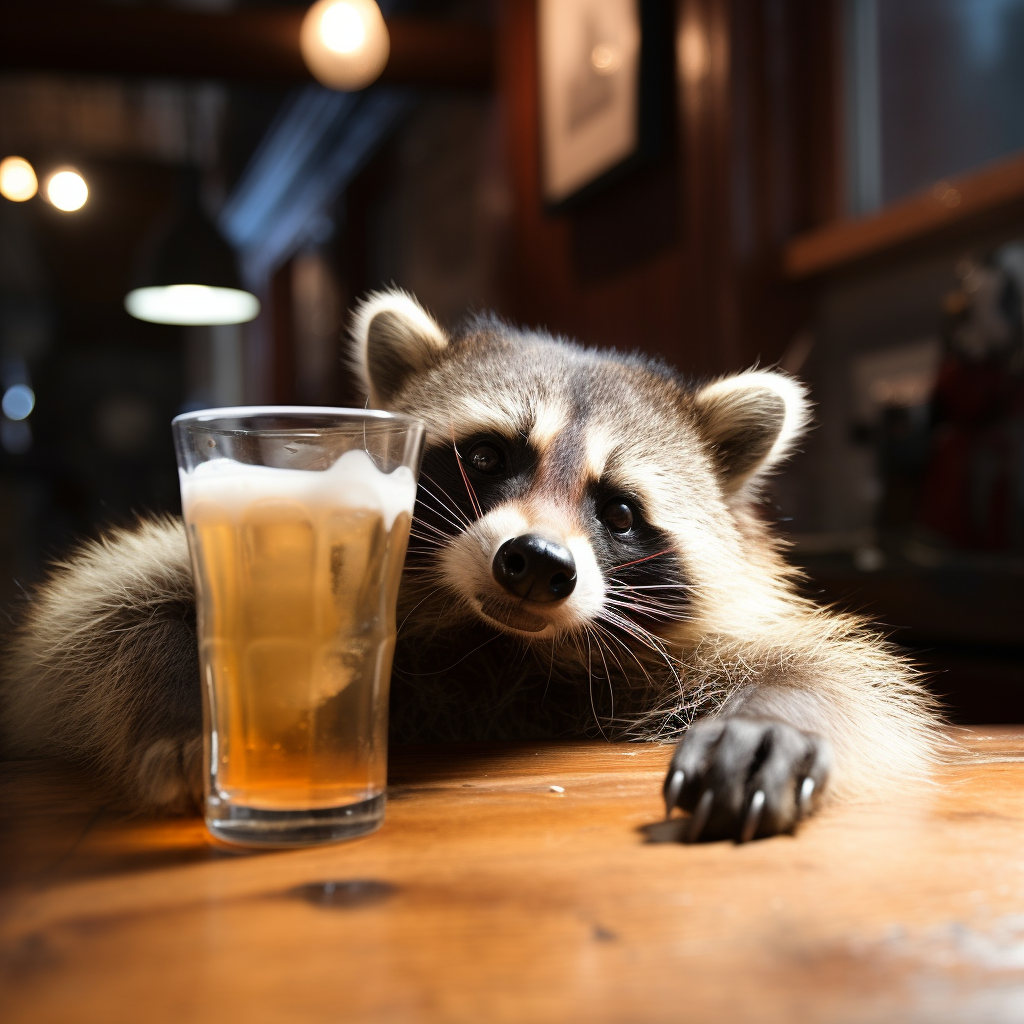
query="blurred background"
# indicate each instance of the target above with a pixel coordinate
(834, 186)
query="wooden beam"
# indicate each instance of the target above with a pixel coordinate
(965, 201)
(247, 45)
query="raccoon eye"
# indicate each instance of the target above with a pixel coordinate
(617, 515)
(487, 459)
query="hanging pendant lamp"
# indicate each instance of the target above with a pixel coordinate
(190, 276)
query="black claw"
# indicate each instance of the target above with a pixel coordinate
(806, 795)
(673, 788)
(700, 816)
(753, 818)
(745, 778)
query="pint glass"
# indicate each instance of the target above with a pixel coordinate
(297, 522)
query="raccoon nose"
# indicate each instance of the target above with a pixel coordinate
(535, 568)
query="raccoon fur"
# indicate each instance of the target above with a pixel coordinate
(587, 559)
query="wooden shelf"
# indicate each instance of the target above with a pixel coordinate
(998, 187)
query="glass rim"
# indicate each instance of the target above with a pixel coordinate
(375, 419)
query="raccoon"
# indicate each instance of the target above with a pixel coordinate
(588, 558)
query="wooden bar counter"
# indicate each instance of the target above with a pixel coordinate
(492, 896)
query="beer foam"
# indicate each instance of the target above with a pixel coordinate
(353, 482)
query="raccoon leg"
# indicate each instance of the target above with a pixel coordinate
(746, 778)
(103, 669)
(824, 699)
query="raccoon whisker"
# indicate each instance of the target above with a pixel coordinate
(436, 505)
(626, 565)
(453, 507)
(418, 547)
(667, 612)
(653, 616)
(456, 528)
(590, 686)
(465, 479)
(622, 671)
(654, 600)
(454, 512)
(437, 672)
(607, 674)
(421, 524)
(414, 607)
(427, 538)
(627, 626)
(619, 585)
(638, 611)
(551, 669)
(622, 643)
(642, 636)
(664, 658)
(662, 602)
(452, 502)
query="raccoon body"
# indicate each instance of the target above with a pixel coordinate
(587, 559)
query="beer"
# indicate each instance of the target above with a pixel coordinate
(297, 575)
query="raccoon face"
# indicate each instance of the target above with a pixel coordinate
(566, 490)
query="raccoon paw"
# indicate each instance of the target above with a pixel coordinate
(169, 776)
(746, 778)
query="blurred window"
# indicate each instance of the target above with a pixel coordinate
(933, 88)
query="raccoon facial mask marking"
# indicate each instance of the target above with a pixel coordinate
(533, 553)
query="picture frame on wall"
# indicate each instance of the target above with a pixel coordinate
(602, 72)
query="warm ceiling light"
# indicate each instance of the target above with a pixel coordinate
(189, 276)
(345, 43)
(67, 190)
(192, 305)
(17, 179)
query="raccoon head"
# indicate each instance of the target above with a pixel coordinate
(565, 489)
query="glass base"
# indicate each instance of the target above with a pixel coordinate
(254, 826)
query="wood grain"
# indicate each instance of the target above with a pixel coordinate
(994, 190)
(488, 896)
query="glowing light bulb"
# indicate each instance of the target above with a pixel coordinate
(345, 43)
(341, 28)
(67, 190)
(192, 305)
(17, 179)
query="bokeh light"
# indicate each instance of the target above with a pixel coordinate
(17, 179)
(192, 305)
(67, 190)
(345, 43)
(342, 29)
(18, 402)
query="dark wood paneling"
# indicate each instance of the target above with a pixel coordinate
(607, 272)
(683, 258)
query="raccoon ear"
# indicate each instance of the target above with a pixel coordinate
(393, 337)
(751, 422)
